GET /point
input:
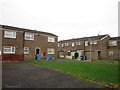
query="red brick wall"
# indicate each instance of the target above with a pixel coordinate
(40, 41)
(18, 43)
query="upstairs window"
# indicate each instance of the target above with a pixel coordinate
(78, 43)
(95, 42)
(29, 36)
(112, 43)
(58, 44)
(86, 43)
(51, 39)
(66, 44)
(50, 51)
(26, 50)
(90, 42)
(72, 44)
(9, 49)
(62, 45)
(10, 34)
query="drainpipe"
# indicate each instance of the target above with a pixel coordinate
(84, 48)
(90, 49)
(23, 44)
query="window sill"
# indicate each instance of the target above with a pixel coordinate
(29, 39)
(8, 53)
(10, 37)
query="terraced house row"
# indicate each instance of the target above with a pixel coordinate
(94, 47)
(19, 43)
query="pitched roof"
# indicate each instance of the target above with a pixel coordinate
(85, 38)
(26, 30)
(115, 38)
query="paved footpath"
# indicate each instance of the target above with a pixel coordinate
(27, 75)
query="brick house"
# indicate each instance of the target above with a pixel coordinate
(114, 48)
(94, 47)
(19, 43)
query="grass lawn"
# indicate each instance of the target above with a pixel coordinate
(100, 72)
(109, 61)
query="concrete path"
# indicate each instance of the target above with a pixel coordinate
(27, 75)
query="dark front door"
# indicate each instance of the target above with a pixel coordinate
(76, 55)
(99, 54)
(37, 51)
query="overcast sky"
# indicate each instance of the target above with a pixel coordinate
(65, 18)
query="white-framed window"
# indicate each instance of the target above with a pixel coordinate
(9, 49)
(72, 44)
(62, 45)
(78, 43)
(51, 39)
(58, 44)
(91, 42)
(50, 51)
(67, 44)
(10, 34)
(86, 43)
(29, 36)
(112, 43)
(111, 53)
(95, 42)
(26, 50)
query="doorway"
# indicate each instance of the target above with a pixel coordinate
(99, 55)
(76, 55)
(37, 51)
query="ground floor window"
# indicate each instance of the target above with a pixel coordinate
(111, 53)
(9, 49)
(50, 51)
(26, 50)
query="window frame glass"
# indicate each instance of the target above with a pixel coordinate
(111, 53)
(51, 39)
(112, 43)
(86, 43)
(50, 51)
(9, 49)
(29, 36)
(73, 44)
(9, 34)
(62, 45)
(26, 50)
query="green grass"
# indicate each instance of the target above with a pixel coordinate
(104, 73)
(109, 61)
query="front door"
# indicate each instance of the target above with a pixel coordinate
(99, 55)
(76, 55)
(37, 51)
